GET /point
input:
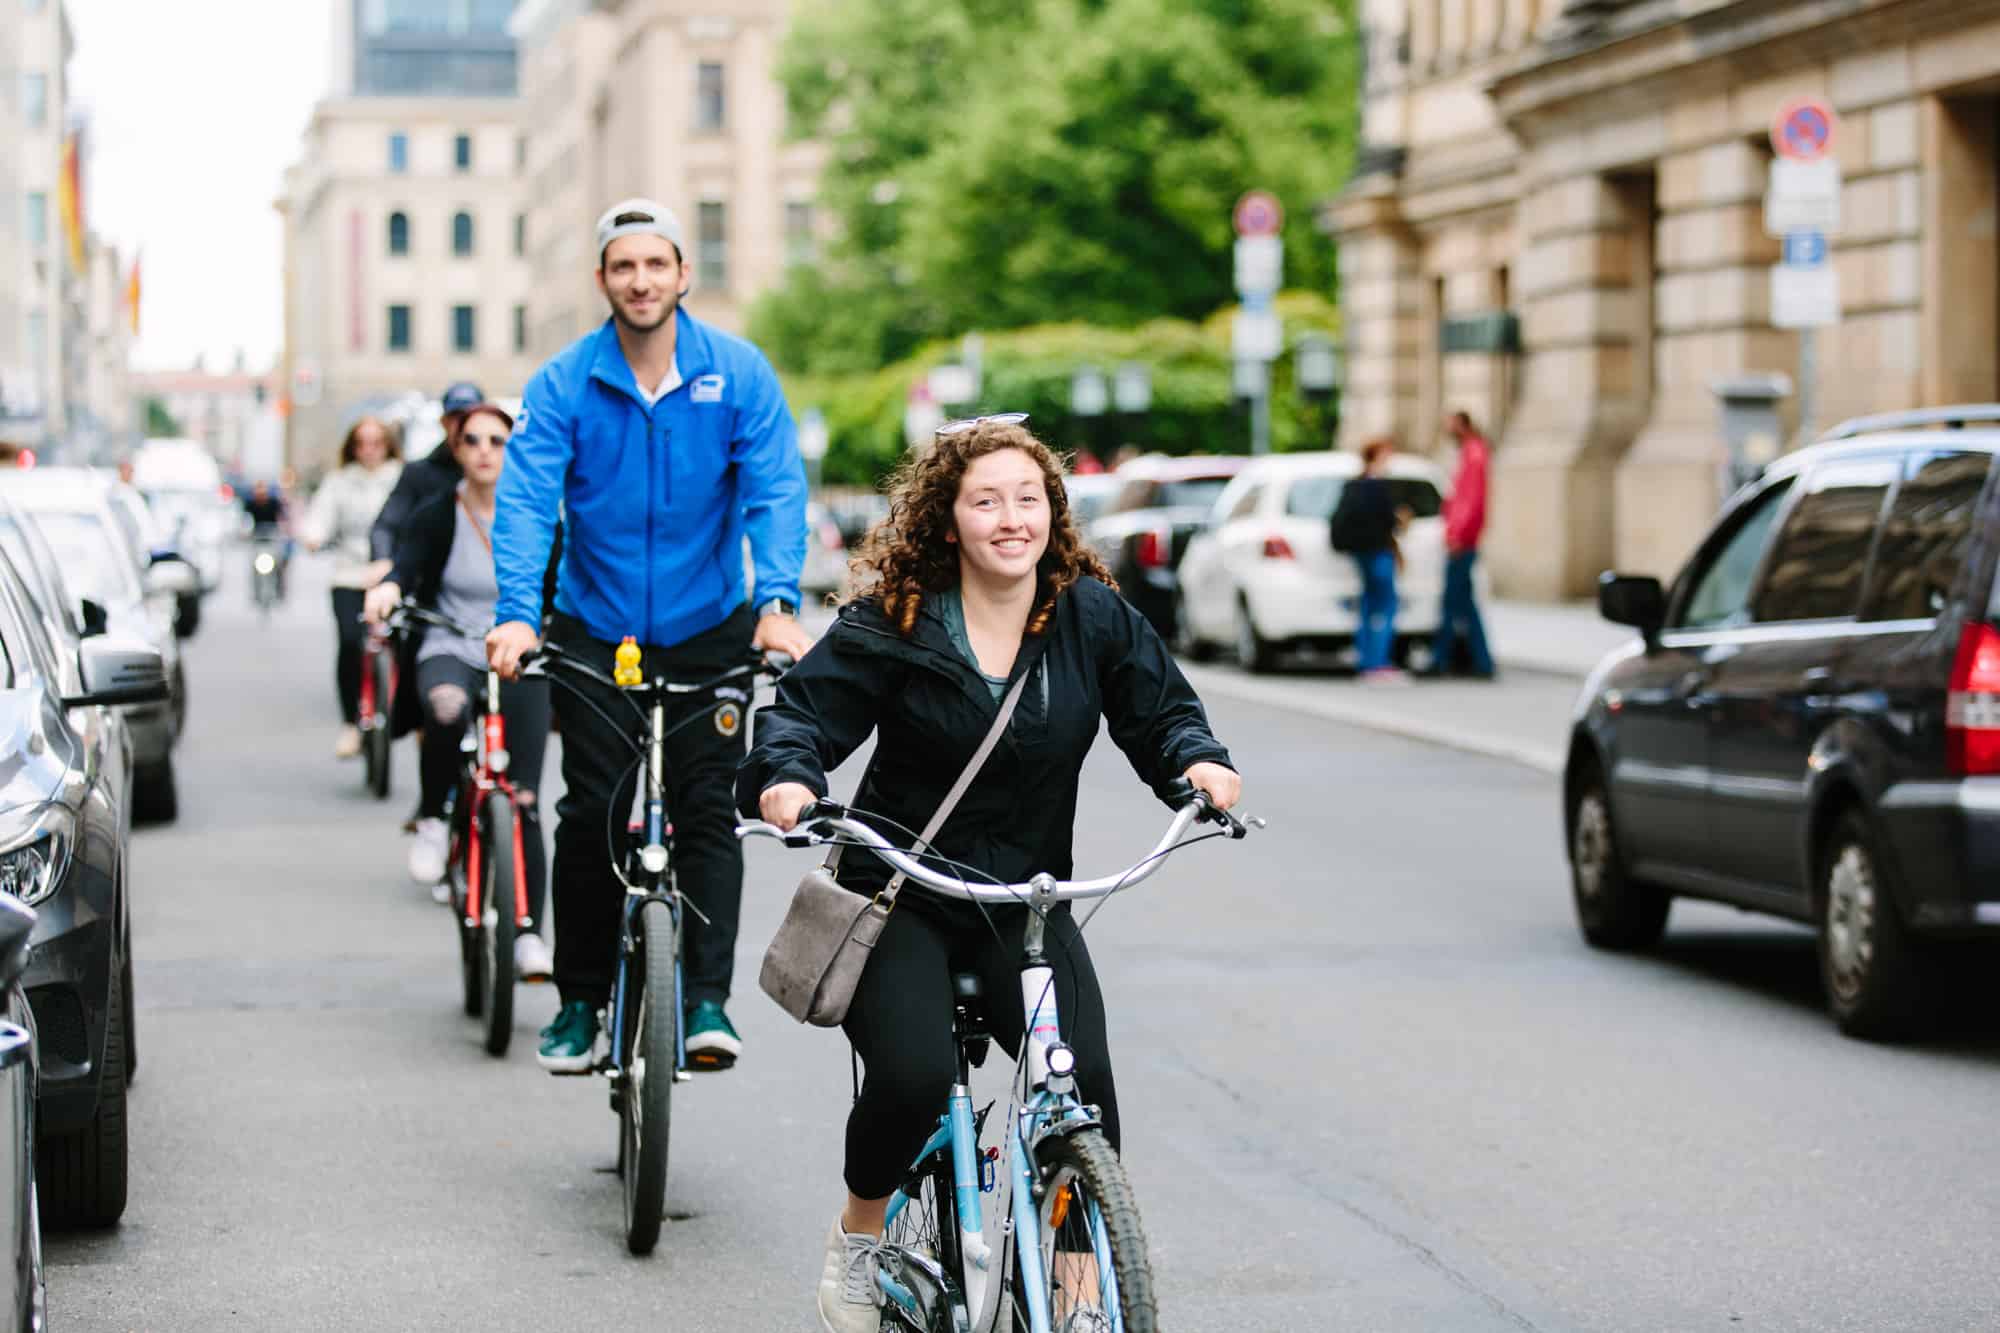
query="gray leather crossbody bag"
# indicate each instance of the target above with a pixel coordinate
(820, 951)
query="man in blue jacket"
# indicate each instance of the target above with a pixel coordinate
(665, 442)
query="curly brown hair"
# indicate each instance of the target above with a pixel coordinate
(906, 556)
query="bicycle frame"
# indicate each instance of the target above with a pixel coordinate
(487, 775)
(655, 881)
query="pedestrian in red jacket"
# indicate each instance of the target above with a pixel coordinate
(1464, 524)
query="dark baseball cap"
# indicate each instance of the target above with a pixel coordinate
(461, 396)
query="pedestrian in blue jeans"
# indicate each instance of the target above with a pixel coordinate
(1364, 526)
(1464, 523)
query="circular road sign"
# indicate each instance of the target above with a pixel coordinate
(1258, 213)
(1803, 130)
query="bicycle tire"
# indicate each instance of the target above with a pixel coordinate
(376, 740)
(1081, 1172)
(645, 1108)
(495, 933)
(468, 947)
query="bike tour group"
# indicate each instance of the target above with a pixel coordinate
(580, 567)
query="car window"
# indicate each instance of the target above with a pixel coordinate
(1821, 555)
(1925, 536)
(1190, 493)
(95, 559)
(29, 648)
(1246, 503)
(1722, 586)
(1133, 495)
(1314, 497)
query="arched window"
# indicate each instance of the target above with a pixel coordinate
(399, 233)
(461, 233)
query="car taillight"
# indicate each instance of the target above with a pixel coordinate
(1150, 550)
(1277, 548)
(1972, 709)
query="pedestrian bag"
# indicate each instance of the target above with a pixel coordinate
(821, 949)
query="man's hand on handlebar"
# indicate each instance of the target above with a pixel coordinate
(507, 644)
(782, 804)
(781, 634)
(380, 601)
(1221, 785)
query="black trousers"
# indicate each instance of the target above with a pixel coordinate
(900, 1024)
(600, 773)
(453, 701)
(352, 635)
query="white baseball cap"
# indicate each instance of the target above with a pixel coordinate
(638, 217)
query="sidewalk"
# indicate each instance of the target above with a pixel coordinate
(1563, 638)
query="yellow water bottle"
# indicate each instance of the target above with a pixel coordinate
(625, 673)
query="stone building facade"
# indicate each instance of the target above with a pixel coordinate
(1556, 223)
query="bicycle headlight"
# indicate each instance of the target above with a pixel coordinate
(32, 868)
(266, 563)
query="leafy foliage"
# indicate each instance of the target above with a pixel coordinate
(997, 165)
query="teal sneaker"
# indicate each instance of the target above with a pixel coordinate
(569, 1042)
(711, 1042)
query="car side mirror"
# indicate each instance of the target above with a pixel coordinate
(1637, 600)
(118, 671)
(95, 619)
(169, 575)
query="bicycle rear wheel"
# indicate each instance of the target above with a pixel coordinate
(645, 1103)
(1087, 1212)
(498, 867)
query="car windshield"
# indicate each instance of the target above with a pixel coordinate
(92, 556)
(1315, 497)
(1180, 493)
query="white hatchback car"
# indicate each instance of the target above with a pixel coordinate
(1262, 573)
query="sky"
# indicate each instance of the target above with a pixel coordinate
(195, 109)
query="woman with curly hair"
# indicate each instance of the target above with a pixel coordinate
(976, 579)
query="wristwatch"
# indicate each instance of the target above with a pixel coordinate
(777, 606)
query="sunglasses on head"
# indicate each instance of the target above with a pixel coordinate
(965, 424)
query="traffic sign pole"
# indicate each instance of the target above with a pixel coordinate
(1257, 337)
(1803, 206)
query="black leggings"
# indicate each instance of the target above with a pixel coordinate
(352, 635)
(900, 1023)
(448, 689)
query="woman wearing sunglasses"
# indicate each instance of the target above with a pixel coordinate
(445, 561)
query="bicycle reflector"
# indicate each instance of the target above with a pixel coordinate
(625, 671)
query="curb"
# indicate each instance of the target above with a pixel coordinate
(1542, 758)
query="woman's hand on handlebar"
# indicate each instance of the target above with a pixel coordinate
(507, 644)
(1223, 786)
(783, 804)
(380, 601)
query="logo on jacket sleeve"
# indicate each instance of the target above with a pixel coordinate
(708, 388)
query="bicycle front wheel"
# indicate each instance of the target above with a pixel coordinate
(1088, 1217)
(645, 1104)
(375, 741)
(498, 867)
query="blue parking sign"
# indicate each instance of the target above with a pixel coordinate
(1805, 249)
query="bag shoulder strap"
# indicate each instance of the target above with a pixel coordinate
(951, 798)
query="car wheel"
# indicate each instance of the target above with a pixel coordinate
(155, 795)
(1186, 642)
(131, 1026)
(1868, 963)
(1254, 651)
(80, 1177)
(1613, 910)
(180, 699)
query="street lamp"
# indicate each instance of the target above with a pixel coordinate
(1088, 398)
(1316, 369)
(1132, 395)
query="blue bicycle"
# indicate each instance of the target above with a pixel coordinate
(1077, 1261)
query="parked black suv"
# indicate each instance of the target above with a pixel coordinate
(1810, 726)
(1144, 531)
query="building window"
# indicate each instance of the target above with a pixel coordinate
(520, 233)
(461, 233)
(399, 152)
(399, 233)
(38, 221)
(461, 152)
(399, 328)
(464, 329)
(713, 251)
(520, 328)
(798, 233)
(35, 100)
(708, 96)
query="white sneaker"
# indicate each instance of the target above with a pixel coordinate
(348, 743)
(848, 1299)
(428, 852)
(532, 962)
(441, 893)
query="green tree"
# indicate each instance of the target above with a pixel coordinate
(995, 165)
(160, 422)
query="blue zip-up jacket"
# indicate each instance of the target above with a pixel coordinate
(655, 503)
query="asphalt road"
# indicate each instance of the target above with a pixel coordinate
(1371, 1078)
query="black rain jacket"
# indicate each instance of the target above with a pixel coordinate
(929, 709)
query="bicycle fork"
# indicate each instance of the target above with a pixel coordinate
(653, 861)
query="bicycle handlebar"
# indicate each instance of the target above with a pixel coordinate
(540, 661)
(822, 820)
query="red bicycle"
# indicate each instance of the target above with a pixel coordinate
(488, 870)
(378, 694)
